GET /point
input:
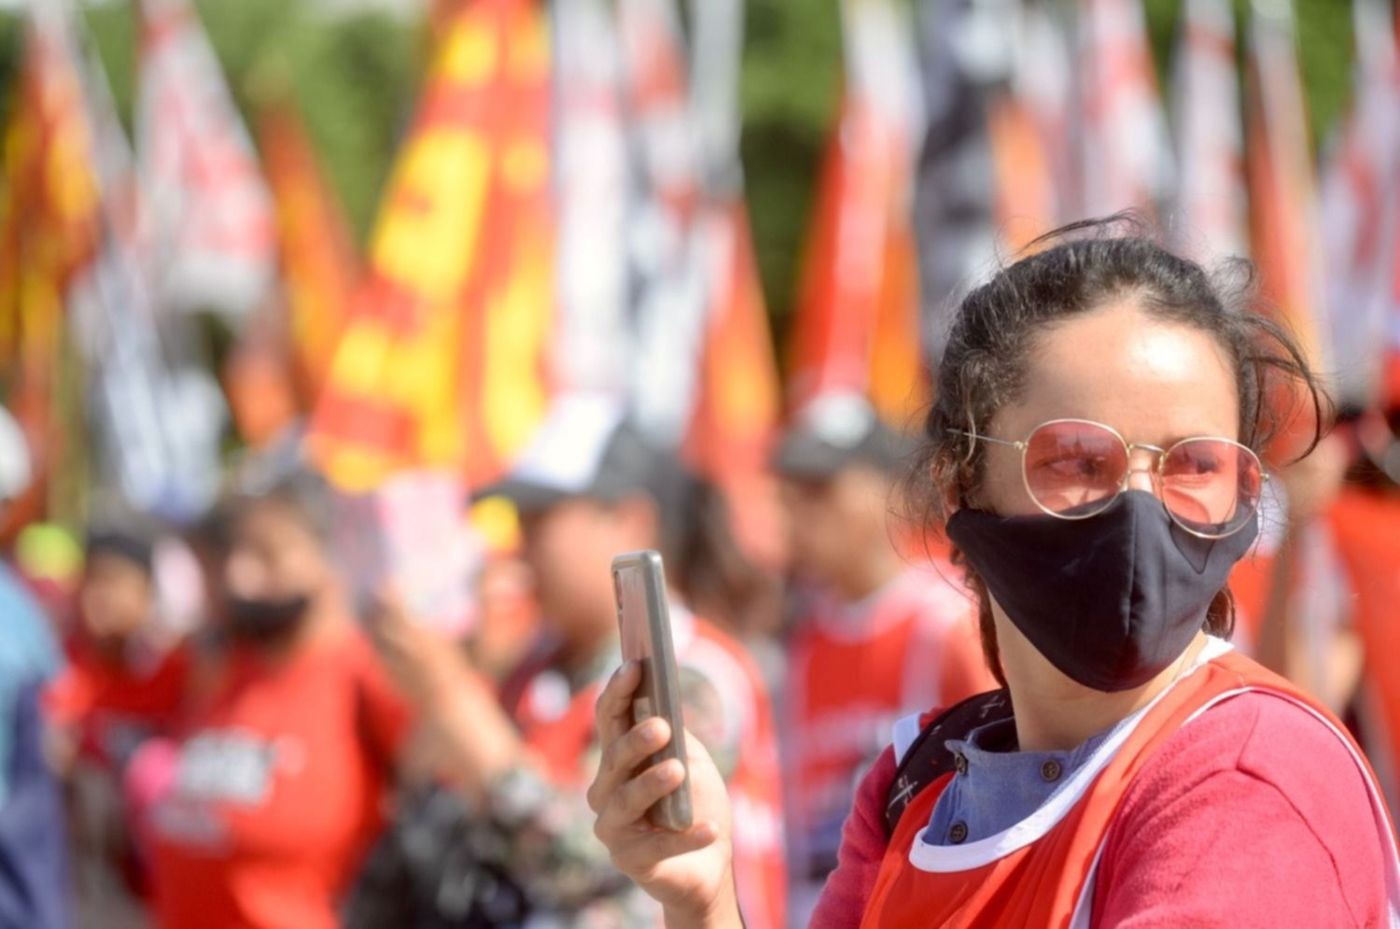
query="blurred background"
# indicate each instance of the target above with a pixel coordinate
(303, 302)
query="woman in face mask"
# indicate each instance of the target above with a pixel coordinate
(259, 816)
(1093, 456)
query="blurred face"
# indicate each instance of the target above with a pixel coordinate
(831, 523)
(1153, 382)
(569, 549)
(115, 600)
(274, 557)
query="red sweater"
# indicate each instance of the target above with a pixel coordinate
(1252, 815)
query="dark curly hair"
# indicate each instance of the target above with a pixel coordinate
(1072, 271)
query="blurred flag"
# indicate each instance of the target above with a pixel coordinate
(591, 350)
(1361, 212)
(258, 378)
(47, 229)
(991, 170)
(857, 327)
(1283, 197)
(157, 414)
(664, 253)
(442, 363)
(1124, 152)
(738, 401)
(319, 267)
(1211, 204)
(211, 220)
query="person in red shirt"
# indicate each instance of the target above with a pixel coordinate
(878, 634)
(590, 487)
(123, 683)
(1091, 454)
(259, 815)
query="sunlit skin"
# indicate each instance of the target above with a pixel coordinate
(1155, 383)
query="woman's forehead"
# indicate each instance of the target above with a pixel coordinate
(1152, 380)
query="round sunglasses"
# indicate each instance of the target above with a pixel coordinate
(1076, 468)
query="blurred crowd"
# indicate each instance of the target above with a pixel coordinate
(345, 676)
(205, 728)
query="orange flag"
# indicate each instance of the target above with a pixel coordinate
(1283, 193)
(739, 396)
(857, 327)
(48, 227)
(442, 363)
(1284, 218)
(319, 267)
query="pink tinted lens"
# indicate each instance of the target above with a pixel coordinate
(1074, 468)
(1211, 486)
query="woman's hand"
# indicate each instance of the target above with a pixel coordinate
(691, 872)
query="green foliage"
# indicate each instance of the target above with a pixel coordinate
(791, 85)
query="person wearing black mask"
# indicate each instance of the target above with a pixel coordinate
(1092, 453)
(260, 816)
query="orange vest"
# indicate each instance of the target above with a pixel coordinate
(1366, 528)
(850, 678)
(560, 731)
(1040, 872)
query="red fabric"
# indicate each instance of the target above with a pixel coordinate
(274, 794)
(1297, 848)
(850, 677)
(113, 707)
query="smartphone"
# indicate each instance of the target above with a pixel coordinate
(644, 619)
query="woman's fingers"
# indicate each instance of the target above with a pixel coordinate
(622, 756)
(627, 806)
(640, 853)
(614, 708)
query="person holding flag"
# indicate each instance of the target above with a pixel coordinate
(1092, 454)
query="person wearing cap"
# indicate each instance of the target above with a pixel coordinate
(33, 852)
(590, 487)
(259, 814)
(878, 633)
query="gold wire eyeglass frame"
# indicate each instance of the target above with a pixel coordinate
(1162, 454)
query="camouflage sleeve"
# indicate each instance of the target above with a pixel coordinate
(546, 839)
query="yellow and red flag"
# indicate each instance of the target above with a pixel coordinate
(441, 364)
(48, 225)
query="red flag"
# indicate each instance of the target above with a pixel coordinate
(441, 363)
(210, 213)
(1210, 145)
(739, 396)
(1283, 195)
(1360, 211)
(857, 327)
(1125, 156)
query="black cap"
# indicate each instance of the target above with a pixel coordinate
(835, 432)
(586, 448)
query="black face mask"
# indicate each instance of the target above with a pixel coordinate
(263, 620)
(1111, 600)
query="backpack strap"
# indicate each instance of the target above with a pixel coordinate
(927, 757)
